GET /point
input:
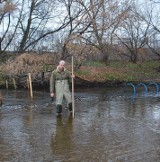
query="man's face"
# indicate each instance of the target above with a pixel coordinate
(62, 66)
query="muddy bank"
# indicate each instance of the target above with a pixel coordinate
(82, 85)
(78, 83)
(116, 73)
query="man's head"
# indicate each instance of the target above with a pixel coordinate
(61, 65)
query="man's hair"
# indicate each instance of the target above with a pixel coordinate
(62, 62)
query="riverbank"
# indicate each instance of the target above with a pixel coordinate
(92, 74)
(118, 73)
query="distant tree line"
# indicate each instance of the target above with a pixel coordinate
(83, 28)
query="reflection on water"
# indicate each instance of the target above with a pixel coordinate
(62, 142)
(109, 125)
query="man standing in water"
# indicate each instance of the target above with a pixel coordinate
(59, 86)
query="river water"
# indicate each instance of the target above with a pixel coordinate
(109, 126)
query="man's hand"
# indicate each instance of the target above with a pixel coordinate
(73, 76)
(52, 96)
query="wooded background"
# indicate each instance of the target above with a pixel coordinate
(86, 29)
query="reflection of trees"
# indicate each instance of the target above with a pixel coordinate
(61, 143)
(136, 108)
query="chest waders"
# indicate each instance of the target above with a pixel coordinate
(62, 91)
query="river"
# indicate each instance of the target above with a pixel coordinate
(109, 126)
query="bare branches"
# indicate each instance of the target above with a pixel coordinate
(31, 25)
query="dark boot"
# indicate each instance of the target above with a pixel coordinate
(70, 107)
(59, 109)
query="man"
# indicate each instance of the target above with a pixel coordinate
(59, 86)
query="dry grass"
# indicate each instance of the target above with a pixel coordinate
(116, 71)
(27, 63)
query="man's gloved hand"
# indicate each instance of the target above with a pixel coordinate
(52, 98)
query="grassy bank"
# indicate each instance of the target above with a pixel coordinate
(120, 71)
(96, 72)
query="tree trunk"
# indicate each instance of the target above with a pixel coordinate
(0, 45)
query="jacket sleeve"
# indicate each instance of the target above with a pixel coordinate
(52, 83)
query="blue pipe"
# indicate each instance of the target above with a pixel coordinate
(134, 88)
(157, 86)
(142, 84)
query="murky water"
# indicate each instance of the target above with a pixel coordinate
(109, 126)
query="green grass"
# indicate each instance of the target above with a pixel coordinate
(151, 64)
(119, 77)
(83, 72)
(130, 65)
(93, 63)
(124, 71)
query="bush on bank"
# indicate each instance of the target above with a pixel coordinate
(40, 66)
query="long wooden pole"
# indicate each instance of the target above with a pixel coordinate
(73, 112)
(14, 83)
(30, 85)
(6, 84)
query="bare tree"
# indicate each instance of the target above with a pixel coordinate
(71, 35)
(73, 12)
(103, 17)
(155, 1)
(35, 21)
(133, 34)
(150, 15)
(6, 10)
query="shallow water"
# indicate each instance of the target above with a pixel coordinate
(109, 126)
